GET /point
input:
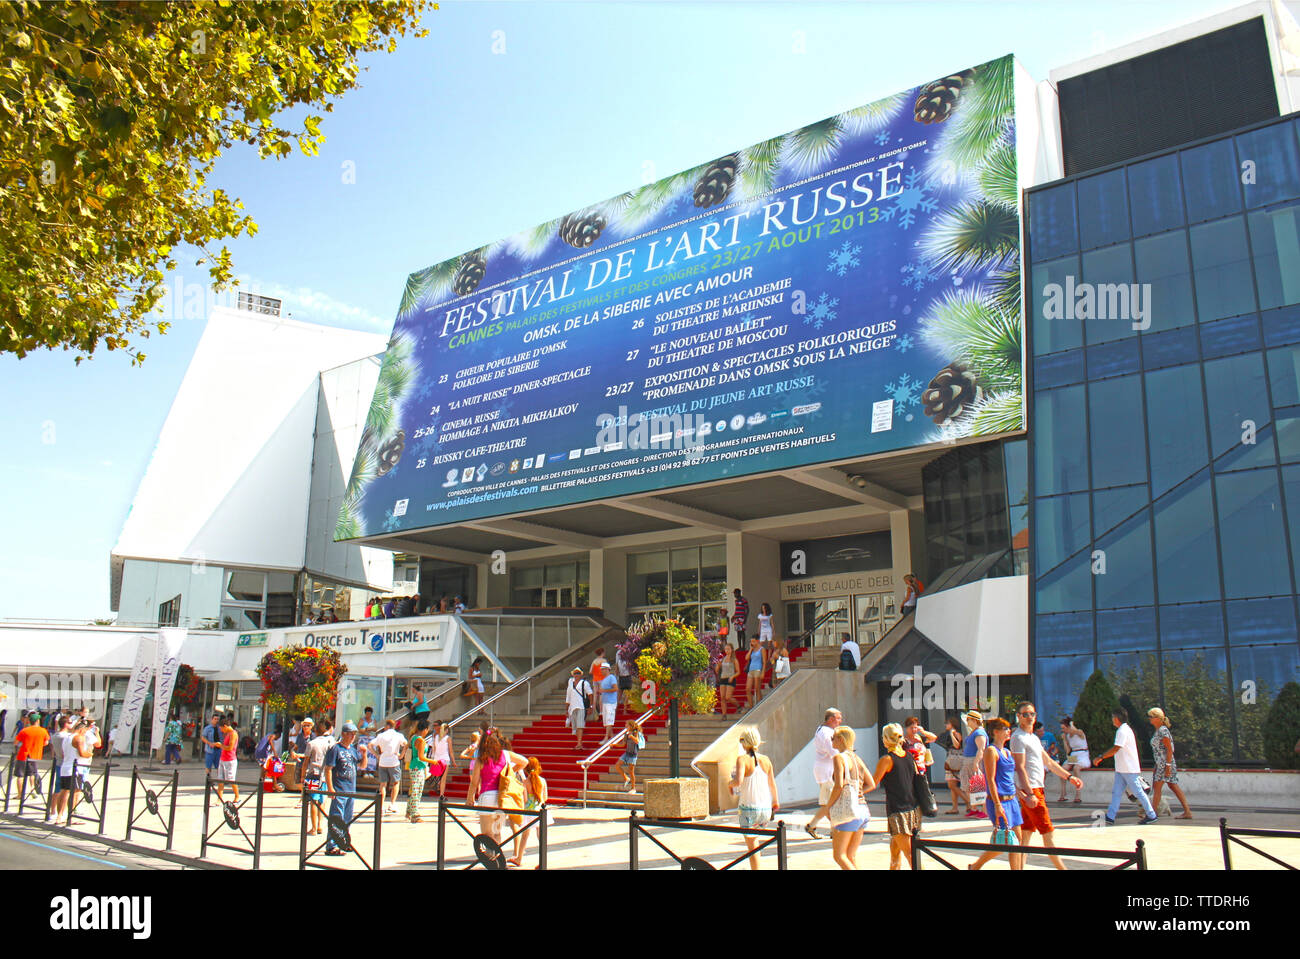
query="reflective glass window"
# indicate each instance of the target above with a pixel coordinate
(1284, 375)
(1117, 431)
(1266, 668)
(1103, 209)
(1291, 486)
(1111, 507)
(1062, 528)
(1126, 629)
(1067, 588)
(1237, 396)
(1052, 222)
(1198, 698)
(244, 586)
(1163, 269)
(1187, 567)
(1273, 173)
(1049, 283)
(1060, 458)
(1061, 633)
(1212, 187)
(1155, 194)
(1222, 269)
(1058, 682)
(1288, 435)
(1275, 245)
(1251, 535)
(1258, 621)
(1239, 334)
(1128, 579)
(1109, 274)
(1191, 625)
(1176, 426)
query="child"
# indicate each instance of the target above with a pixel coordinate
(626, 765)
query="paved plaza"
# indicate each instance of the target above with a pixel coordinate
(597, 838)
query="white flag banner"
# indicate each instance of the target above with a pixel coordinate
(137, 689)
(166, 665)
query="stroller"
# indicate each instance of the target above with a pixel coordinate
(272, 773)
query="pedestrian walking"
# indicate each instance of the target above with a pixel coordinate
(211, 739)
(537, 796)
(313, 781)
(443, 758)
(896, 773)
(485, 780)
(1127, 769)
(1002, 807)
(341, 763)
(84, 741)
(625, 765)
(756, 665)
(780, 663)
(1162, 748)
(228, 765)
(754, 783)
(916, 740)
(608, 702)
(728, 668)
(824, 766)
(765, 623)
(32, 740)
(1032, 764)
(475, 681)
(847, 809)
(1076, 755)
(740, 616)
(172, 740)
(577, 700)
(66, 759)
(914, 591)
(391, 746)
(4, 713)
(417, 767)
(951, 741)
(972, 761)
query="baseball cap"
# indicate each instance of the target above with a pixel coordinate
(349, 727)
(307, 721)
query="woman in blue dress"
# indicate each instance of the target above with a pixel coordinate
(1002, 806)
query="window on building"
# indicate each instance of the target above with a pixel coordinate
(1222, 267)
(169, 613)
(688, 583)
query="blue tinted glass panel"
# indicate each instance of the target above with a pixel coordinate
(1275, 243)
(1058, 681)
(1251, 535)
(1126, 672)
(1210, 178)
(1060, 458)
(1291, 486)
(1103, 209)
(1062, 633)
(1162, 262)
(1051, 222)
(1156, 196)
(1109, 273)
(1268, 668)
(1111, 507)
(1128, 579)
(1067, 588)
(1284, 375)
(1198, 699)
(1275, 164)
(1058, 369)
(1237, 392)
(1061, 529)
(1170, 348)
(1288, 435)
(1047, 284)
(1195, 624)
(1222, 269)
(1240, 334)
(1176, 426)
(1119, 454)
(1187, 567)
(1114, 359)
(1282, 326)
(1255, 621)
(1248, 455)
(1126, 629)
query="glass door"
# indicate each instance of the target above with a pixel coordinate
(556, 597)
(833, 627)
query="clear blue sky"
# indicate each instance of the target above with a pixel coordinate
(507, 115)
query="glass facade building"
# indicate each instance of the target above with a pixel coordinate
(1164, 314)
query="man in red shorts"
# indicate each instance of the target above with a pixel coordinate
(1032, 763)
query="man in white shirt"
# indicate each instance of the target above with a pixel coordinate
(824, 766)
(853, 649)
(576, 706)
(390, 744)
(1032, 763)
(1127, 768)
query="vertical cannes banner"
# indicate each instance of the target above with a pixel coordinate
(137, 689)
(168, 663)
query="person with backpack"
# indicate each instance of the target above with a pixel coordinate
(577, 700)
(850, 654)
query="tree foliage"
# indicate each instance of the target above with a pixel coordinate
(1282, 729)
(111, 118)
(1092, 714)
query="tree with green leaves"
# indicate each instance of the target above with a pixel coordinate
(1282, 729)
(111, 118)
(1092, 714)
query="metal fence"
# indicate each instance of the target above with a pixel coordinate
(487, 851)
(1137, 859)
(231, 821)
(338, 830)
(153, 807)
(638, 826)
(1229, 835)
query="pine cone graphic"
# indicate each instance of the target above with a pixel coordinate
(391, 452)
(952, 390)
(469, 274)
(936, 101)
(580, 230)
(716, 182)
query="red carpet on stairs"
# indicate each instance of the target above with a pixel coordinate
(551, 741)
(740, 701)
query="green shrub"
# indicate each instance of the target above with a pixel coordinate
(1092, 714)
(1282, 729)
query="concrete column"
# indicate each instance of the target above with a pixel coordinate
(754, 565)
(609, 582)
(906, 544)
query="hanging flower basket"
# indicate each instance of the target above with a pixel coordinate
(300, 679)
(670, 660)
(188, 686)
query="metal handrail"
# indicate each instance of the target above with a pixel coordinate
(497, 666)
(817, 623)
(618, 738)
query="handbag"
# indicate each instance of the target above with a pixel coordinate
(924, 797)
(846, 808)
(978, 787)
(1002, 835)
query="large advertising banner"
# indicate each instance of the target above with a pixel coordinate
(137, 691)
(170, 640)
(849, 288)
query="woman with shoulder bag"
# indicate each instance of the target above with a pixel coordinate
(897, 774)
(847, 810)
(1002, 806)
(951, 740)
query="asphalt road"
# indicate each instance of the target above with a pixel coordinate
(30, 847)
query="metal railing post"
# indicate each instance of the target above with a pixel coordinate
(207, 802)
(171, 814)
(9, 779)
(633, 858)
(442, 835)
(781, 861)
(1223, 839)
(543, 812)
(103, 799)
(1141, 855)
(379, 825)
(916, 853)
(130, 806)
(257, 829)
(302, 832)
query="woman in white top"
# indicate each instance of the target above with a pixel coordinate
(853, 777)
(765, 623)
(1076, 758)
(780, 663)
(442, 754)
(753, 781)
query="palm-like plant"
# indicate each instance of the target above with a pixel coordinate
(968, 326)
(983, 117)
(425, 284)
(1001, 412)
(973, 236)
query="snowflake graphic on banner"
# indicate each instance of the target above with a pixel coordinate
(903, 343)
(822, 311)
(916, 275)
(915, 196)
(391, 522)
(882, 137)
(906, 392)
(843, 258)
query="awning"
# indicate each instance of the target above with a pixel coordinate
(230, 675)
